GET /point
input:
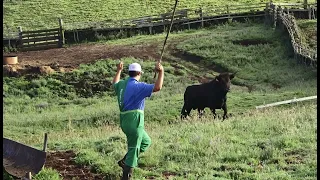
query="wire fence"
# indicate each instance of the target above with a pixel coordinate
(281, 18)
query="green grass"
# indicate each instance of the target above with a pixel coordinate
(44, 174)
(260, 66)
(43, 14)
(308, 31)
(282, 139)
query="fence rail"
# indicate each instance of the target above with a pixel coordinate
(162, 19)
(40, 39)
(183, 15)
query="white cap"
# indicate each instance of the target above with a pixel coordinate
(135, 67)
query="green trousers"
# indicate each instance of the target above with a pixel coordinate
(132, 124)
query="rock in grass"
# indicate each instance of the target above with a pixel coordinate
(42, 105)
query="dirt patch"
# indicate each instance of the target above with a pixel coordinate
(20, 70)
(165, 174)
(72, 57)
(294, 159)
(69, 58)
(250, 42)
(276, 86)
(64, 163)
(169, 174)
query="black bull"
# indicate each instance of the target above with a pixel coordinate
(211, 95)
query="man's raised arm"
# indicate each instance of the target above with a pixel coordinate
(116, 78)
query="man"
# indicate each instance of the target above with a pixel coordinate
(131, 96)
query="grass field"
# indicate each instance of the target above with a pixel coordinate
(276, 143)
(43, 14)
(308, 30)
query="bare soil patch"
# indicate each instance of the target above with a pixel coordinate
(64, 163)
(69, 58)
(72, 57)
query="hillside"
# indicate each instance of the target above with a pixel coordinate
(308, 30)
(43, 14)
(79, 110)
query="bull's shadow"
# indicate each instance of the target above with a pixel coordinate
(205, 115)
(212, 95)
(189, 57)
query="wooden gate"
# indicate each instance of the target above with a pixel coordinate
(40, 40)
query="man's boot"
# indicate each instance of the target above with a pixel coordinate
(127, 173)
(121, 162)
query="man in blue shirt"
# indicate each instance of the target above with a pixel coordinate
(131, 96)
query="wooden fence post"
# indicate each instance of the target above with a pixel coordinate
(305, 4)
(228, 12)
(281, 23)
(275, 14)
(20, 36)
(188, 20)
(274, 18)
(62, 40)
(285, 10)
(201, 16)
(45, 142)
(74, 35)
(77, 35)
(266, 17)
(314, 14)
(309, 11)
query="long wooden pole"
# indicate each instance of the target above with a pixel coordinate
(165, 41)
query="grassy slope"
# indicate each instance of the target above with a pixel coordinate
(260, 66)
(308, 30)
(42, 14)
(283, 139)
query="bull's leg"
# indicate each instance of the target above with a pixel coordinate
(224, 108)
(188, 110)
(214, 113)
(185, 111)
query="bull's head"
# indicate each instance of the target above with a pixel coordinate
(224, 79)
